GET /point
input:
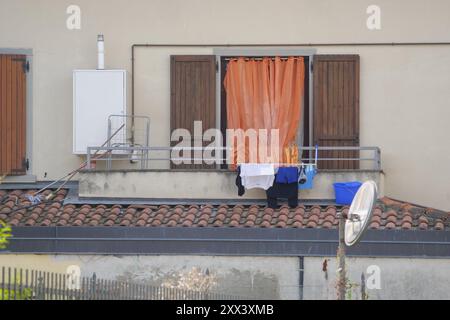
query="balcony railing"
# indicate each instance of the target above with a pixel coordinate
(368, 158)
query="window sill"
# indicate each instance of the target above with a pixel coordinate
(27, 178)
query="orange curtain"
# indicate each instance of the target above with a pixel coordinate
(265, 94)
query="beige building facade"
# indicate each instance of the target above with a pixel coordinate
(404, 86)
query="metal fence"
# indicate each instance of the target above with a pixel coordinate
(24, 284)
(371, 156)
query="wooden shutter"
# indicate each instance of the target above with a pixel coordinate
(193, 96)
(12, 114)
(336, 107)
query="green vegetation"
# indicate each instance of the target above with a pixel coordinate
(16, 293)
(5, 234)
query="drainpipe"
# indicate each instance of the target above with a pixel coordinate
(342, 280)
(132, 94)
(301, 275)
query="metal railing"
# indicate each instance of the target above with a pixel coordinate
(375, 157)
(24, 284)
(146, 154)
(128, 131)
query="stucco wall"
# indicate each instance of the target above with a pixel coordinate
(252, 277)
(404, 89)
(263, 277)
(400, 278)
(188, 185)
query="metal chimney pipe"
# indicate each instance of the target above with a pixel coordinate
(101, 52)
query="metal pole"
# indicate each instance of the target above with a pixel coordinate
(341, 285)
(363, 286)
(301, 263)
(94, 287)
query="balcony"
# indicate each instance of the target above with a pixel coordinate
(145, 173)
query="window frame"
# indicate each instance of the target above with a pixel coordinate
(308, 53)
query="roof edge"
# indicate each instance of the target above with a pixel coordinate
(224, 241)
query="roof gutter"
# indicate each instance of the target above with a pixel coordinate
(224, 241)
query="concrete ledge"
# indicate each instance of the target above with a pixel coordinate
(211, 184)
(19, 179)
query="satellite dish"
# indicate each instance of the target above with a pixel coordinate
(360, 212)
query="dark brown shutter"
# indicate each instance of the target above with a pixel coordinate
(12, 114)
(193, 96)
(336, 108)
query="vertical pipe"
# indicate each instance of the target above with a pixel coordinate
(132, 94)
(59, 286)
(51, 280)
(31, 285)
(88, 158)
(311, 103)
(109, 151)
(147, 143)
(20, 284)
(363, 286)
(301, 275)
(9, 284)
(94, 287)
(378, 159)
(47, 285)
(26, 283)
(15, 284)
(3, 283)
(64, 288)
(341, 258)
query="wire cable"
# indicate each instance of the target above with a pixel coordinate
(72, 173)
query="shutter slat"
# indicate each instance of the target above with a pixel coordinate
(193, 92)
(12, 114)
(3, 168)
(336, 108)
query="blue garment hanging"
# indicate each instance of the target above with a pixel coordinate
(309, 171)
(287, 175)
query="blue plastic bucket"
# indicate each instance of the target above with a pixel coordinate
(346, 191)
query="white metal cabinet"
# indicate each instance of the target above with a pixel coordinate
(97, 94)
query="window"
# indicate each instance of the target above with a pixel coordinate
(333, 106)
(303, 129)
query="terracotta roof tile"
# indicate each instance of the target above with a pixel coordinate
(311, 224)
(388, 214)
(283, 217)
(439, 225)
(218, 223)
(390, 225)
(265, 224)
(406, 225)
(297, 224)
(423, 226)
(249, 223)
(281, 224)
(327, 225)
